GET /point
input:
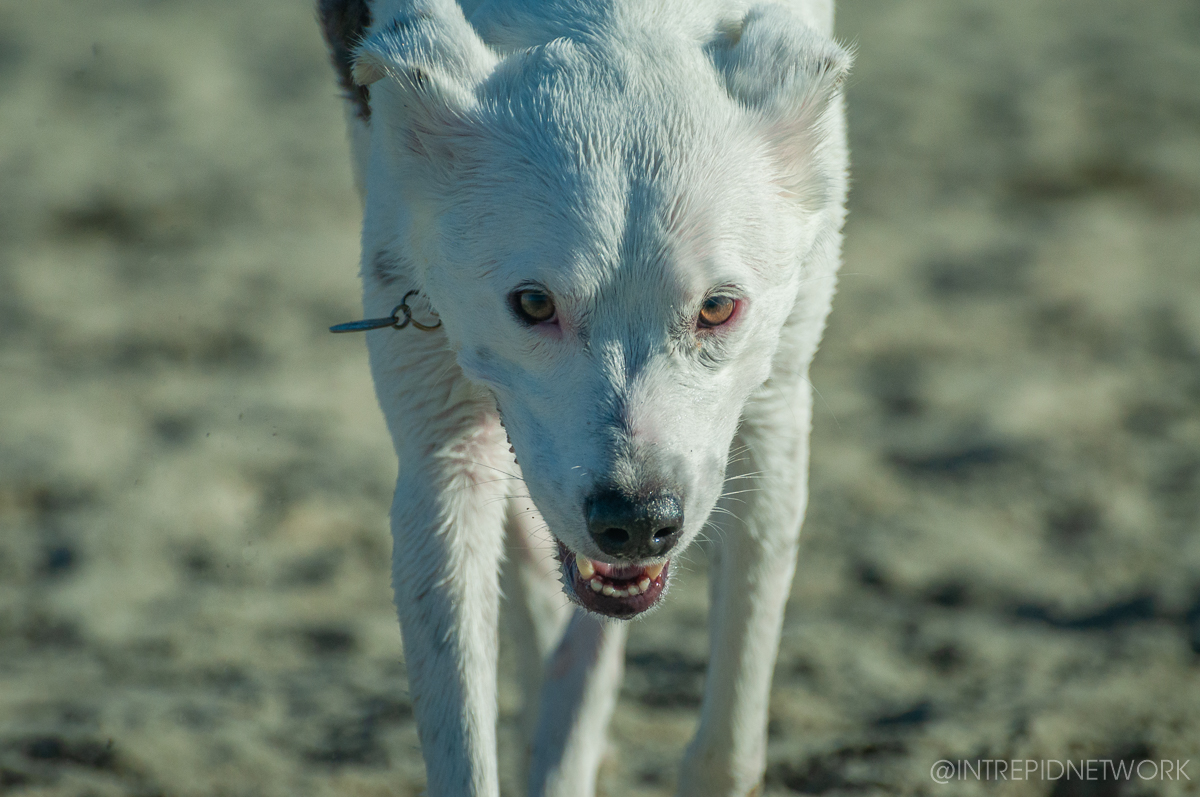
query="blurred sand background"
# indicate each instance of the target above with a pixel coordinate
(1001, 558)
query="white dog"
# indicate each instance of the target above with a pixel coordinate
(626, 215)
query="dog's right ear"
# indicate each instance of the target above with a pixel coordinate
(786, 74)
(423, 62)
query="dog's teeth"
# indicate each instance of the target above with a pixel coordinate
(607, 590)
(595, 585)
(644, 584)
(653, 571)
(585, 566)
(619, 593)
(633, 590)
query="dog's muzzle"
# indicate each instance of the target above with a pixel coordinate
(636, 532)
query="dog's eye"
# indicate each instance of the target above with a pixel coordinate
(533, 306)
(716, 310)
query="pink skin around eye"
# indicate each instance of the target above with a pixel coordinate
(551, 329)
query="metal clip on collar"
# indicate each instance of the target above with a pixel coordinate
(395, 321)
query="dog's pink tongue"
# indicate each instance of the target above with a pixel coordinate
(618, 572)
(590, 567)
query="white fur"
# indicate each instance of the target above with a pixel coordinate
(629, 157)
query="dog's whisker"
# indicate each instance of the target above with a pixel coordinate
(474, 485)
(828, 406)
(755, 475)
(717, 528)
(478, 464)
(508, 476)
(742, 492)
(451, 366)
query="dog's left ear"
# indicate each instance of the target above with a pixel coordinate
(424, 63)
(788, 76)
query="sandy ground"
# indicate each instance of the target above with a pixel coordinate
(1001, 559)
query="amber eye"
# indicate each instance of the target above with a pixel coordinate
(533, 306)
(716, 310)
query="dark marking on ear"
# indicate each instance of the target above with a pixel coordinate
(413, 17)
(419, 79)
(344, 23)
(388, 268)
(829, 64)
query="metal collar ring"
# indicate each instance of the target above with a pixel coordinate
(395, 320)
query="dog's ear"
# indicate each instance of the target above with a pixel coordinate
(788, 76)
(423, 62)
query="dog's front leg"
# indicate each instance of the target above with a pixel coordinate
(447, 520)
(579, 693)
(751, 579)
(571, 677)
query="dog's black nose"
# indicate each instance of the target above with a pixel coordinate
(634, 528)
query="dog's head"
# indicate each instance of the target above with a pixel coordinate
(611, 224)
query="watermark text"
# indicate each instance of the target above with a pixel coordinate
(945, 771)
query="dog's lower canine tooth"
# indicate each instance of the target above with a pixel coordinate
(585, 566)
(653, 571)
(644, 584)
(596, 585)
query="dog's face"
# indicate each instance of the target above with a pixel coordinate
(613, 254)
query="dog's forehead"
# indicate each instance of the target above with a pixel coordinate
(586, 168)
(566, 108)
(607, 236)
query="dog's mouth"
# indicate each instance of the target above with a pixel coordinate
(620, 591)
